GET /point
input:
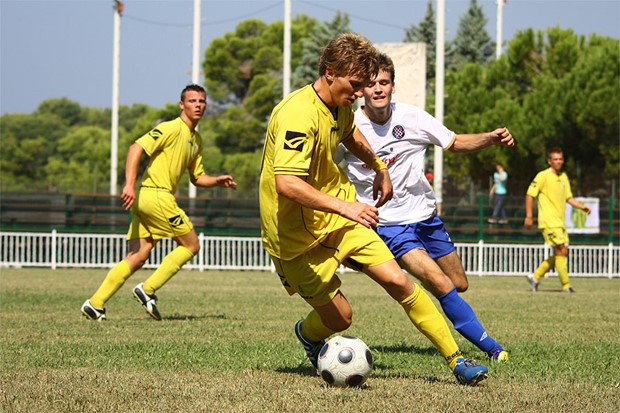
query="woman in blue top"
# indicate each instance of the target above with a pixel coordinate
(498, 192)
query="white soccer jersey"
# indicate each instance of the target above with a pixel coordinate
(401, 143)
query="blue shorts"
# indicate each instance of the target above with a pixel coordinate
(429, 235)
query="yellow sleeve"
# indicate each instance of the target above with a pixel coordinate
(294, 143)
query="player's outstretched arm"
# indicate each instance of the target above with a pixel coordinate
(576, 204)
(476, 141)
(208, 181)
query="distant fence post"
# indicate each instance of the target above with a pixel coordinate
(54, 249)
(480, 257)
(610, 226)
(480, 216)
(610, 261)
(203, 249)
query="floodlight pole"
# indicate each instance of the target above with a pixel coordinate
(118, 9)
(286, 70)
(191, 191)
(439, 92)
(498, 43)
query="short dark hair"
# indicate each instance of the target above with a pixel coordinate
(386, 64)
(193, 87)
(554, 149)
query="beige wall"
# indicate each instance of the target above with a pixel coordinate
(410, 64)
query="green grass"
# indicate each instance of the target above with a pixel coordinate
(226, 344)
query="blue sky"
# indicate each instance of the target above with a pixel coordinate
(62, 48)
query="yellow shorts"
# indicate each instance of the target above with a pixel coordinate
(155, 214)
(555, 236)
(312, 275)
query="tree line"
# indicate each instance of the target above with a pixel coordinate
(550, 88)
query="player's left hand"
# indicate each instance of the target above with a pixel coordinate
(226, 181)
(503, 137)
(382, 184)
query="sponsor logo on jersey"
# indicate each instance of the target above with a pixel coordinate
(387, 161)
(398, 132)
(294, 141)
(155, 134)
(176, 221)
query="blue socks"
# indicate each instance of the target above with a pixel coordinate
(465, 321)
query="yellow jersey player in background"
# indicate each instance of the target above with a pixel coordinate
(311, 222)
(173, 147)
(552, 189)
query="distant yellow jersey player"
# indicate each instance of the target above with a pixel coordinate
(178, 149)
(552, 189)
(172, 147)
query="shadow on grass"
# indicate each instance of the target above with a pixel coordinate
(192, 317)
(385, 373)
(302, 370)
(403, 348)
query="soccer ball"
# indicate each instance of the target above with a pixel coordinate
(345, 361)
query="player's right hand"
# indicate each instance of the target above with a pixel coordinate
(382, 185)
(365, 214)
(128, 196)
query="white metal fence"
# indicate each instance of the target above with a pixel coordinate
(63, 250)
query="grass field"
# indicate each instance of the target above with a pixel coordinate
(226, 344)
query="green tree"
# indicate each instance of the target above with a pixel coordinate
(67, 110)
(27, 143)
(426, 32)
(307, 70)
(553, 88)
(81, 162)
(236, 131)
(472, 43)
(243, 73)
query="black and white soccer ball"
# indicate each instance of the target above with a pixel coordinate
(345, 361)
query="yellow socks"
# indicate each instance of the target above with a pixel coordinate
(562, 269)
(170, 265)
(113, 281)
(312, 328)
(425, 316)
(545, 266)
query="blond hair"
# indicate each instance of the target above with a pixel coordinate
(349, 54)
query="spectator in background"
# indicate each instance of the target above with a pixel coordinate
(552, 189)
(498, 192)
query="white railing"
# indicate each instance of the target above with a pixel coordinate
(63, 250)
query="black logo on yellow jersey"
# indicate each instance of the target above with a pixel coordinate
(155, 134)
(294, 141)
(176, 221)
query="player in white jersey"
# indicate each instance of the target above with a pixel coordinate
(399, 133)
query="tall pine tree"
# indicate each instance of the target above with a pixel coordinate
(426, 32)
(472, 43)
(307, 71)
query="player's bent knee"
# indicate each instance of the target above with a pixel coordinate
(461, 287)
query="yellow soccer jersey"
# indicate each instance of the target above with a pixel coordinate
(552, 192)
(302, 137)
(173, 149)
